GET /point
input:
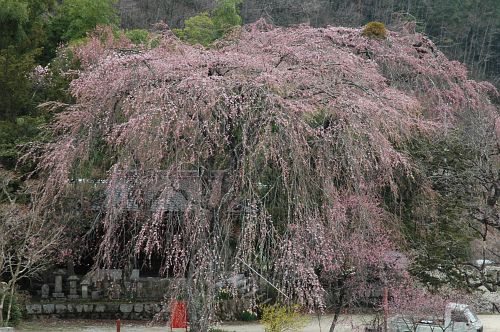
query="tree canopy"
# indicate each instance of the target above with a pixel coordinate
(314, 130)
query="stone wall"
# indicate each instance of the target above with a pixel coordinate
(139, 311)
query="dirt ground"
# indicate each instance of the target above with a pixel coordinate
(348, 323)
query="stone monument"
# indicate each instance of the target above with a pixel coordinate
(58, 292)
(45, 291)
(73, 293)
(85, 288)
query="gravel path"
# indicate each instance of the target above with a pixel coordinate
(491, 323)
(348, 323)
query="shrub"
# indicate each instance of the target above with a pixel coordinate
(375, 30)
(247, 316)
(224, 294)
(276, 318)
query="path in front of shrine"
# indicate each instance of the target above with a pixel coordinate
(348, 323)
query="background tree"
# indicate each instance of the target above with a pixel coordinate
(208, 26)
(23, 33)
(29, 75)
(20, 45)
(226, 16)
(74, 18)
(27, 244)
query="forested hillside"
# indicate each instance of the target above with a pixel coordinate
(467, 31)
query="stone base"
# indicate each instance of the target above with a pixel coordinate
(101, 310)
(58, 295)
(6, 329)
(73, 296)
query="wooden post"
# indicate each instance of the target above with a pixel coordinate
(118, 325)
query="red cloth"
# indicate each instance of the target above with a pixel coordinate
(179, 315)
